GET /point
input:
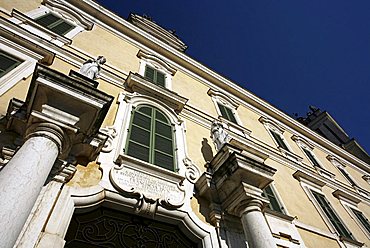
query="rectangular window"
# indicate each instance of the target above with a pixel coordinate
(8, 63)
(155, 76)
(311, 157)
(54, 23)
(331, 215)
(279, 140)
(347, 176)
(274, 203)
(227, 113)
(362, 219)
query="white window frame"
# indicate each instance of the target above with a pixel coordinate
(69, 14)
(349, 203)
(23, 70)
(219, 97)
(341, 166)
(283, 208)
(157, 64)
(127, 103)
(304, 144)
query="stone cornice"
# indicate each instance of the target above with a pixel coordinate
(137, 83)
(108, 18)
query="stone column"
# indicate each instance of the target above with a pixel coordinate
(23, 177)
(255, 226)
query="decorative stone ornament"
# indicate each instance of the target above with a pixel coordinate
(218, 134)
(150, 184)
(91, 67)
(192, 172)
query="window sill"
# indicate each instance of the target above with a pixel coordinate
(236, 128)
(27, 20)
(351, 241)
(291, 156)
(279, 215)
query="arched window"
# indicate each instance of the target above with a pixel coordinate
(150, 137)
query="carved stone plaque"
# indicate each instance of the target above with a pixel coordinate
(153, 187)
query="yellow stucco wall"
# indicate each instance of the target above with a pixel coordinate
(18, 91)
(357, 177)
(195, 91)
(294, 197)
(250, 121)
(352, 226)
(117, 51)
(21, 5)
(313, 240)
(199, 144)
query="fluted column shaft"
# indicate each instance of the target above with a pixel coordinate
(23, 177)
(255, 227)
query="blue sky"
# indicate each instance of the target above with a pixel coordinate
(291, 53)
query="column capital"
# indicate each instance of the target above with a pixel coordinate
(47, 130)
(244, 199)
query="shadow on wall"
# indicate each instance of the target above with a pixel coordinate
(206, 150)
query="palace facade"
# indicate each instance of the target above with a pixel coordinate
(112, 136)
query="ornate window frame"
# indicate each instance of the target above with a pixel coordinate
(350, 202)
(158, 64)
(341, 167)
(127, 102)
(221, 98)
(272, 126)
(283, 209)
(309, 184)
(67, 12)
(23, 70)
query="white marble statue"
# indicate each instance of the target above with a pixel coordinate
(218, 134)
(91, 67)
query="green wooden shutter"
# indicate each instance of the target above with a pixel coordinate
(151, 137)
(149, 73)
(363, 220)
(331, 215)
(274, 203)
(7, 63)
(346, 175)
(54, 23)
(279, 140)
(311, 157)
(227, 113)
(160, 79)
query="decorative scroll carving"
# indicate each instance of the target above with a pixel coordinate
(218, 134)
(192, 172)
(151, 189)
(104, 227)
(111, 132)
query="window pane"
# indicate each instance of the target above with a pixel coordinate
(279, 140)
(163, 129)
(311, 158)
(7, 63)
(345, 174)
(361, 217)
(160, 116)
(142, 121)
(47, 20)
(230, 115)
(163, 144)
(140, 135)
(274, 204)
(138, 151)
(160, 79)
(149, 73)
(62, 28)
(331, 215)
(163, 161)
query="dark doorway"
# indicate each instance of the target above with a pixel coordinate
(108, 228)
